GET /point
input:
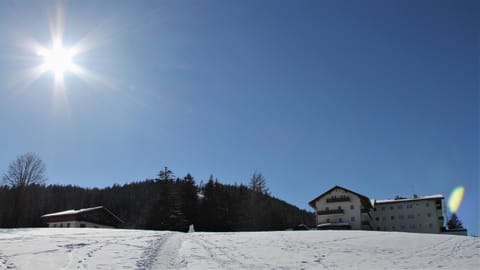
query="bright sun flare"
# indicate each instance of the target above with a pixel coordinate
(58, 59)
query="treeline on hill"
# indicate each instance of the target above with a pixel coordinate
(163, 204)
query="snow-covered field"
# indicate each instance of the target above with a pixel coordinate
(134, 249)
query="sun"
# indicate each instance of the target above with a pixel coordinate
(58, 59)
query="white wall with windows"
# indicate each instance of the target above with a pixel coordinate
(411, 215)
(76, 224)
(339, 207)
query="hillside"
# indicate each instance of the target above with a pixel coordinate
(157, 204)
(136, 249)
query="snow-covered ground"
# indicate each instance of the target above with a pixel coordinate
(40, 249)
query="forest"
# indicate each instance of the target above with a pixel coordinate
(164, 203)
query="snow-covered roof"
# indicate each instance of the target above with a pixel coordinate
(363, 198)
(339, 224)
(72, 212)
(430, 197)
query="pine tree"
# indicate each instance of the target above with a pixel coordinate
(454, 222)
(166, 174)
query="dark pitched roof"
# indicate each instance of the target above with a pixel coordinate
(363, 198)
(82, 212)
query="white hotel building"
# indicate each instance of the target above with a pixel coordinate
(340, 208)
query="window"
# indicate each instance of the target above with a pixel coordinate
(339, 207)
(378, 228)
(402, 227)
(54, 225)
(393, 228)
(419, 225)
(400, 217)
(391, 207)
(400, 206)
(411, 216)
(328, 220)
(326, 208)
(429, 214)
(383, 208)
(384, 218)
(409, 206)
(412, 226)
(427, 204)
(430, 225)
(351, 207)
(82, 225)
(352, 219)
(392, 217)
(61, 225)
(376, 218)
(418, 214)
(68, 224)
(340, 220)
(374, 209)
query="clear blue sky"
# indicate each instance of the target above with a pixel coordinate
(381, 97)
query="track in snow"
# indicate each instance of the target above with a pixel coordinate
(143, 250)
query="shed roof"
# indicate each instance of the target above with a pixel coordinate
(72, 212)
(81, 211)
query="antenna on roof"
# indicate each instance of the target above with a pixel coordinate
(414, 195)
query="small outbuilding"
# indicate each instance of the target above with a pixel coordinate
(95, 217)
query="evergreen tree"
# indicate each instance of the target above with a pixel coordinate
(161, 205)
(166, 174)
(454, 222)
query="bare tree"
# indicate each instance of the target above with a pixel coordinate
(258, 183)
(27, 169)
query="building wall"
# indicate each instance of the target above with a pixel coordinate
(351, 209)
(76, 224)
(419, 215)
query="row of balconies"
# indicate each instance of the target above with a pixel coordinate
(338, 199)
(332, 211)
(339, 211)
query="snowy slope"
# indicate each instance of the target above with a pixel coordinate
(134, 249)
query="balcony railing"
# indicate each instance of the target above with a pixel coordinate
(338, 199)
(328, 212)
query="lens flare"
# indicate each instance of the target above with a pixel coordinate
(455, 199)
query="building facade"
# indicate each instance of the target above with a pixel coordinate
(340, 208)
(423, 214)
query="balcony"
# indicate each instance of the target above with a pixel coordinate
(338, 199)
(329, 212)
